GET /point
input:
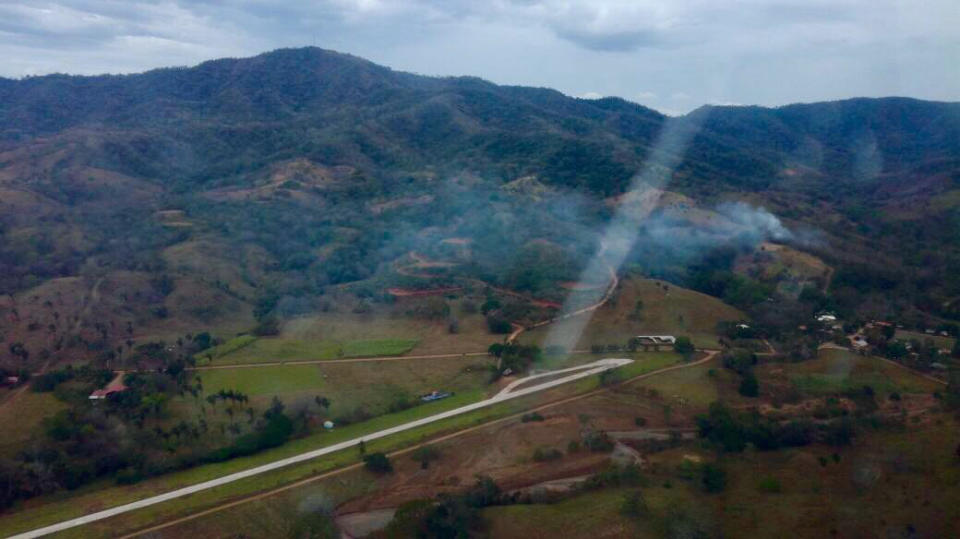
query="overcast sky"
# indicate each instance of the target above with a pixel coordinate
(672, 55)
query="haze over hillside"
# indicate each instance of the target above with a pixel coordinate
(257, 273)
(308, 168)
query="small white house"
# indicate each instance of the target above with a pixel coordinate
(827, 318)
(656, 339)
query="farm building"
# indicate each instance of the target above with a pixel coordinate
(102, 394)
(655, 340)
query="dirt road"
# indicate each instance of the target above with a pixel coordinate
(507, 393)
(710, 354)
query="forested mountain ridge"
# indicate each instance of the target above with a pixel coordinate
(245, 188)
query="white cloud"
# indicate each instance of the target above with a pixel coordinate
(750, 51)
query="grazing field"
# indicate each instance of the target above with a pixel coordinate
(225, 348)
(279, 349)
(398, 321)
(340, 335)
(353, 388)
(666, 310)
(21, 416)
(696, 386)
(887, 484)
(837, 371)
(101, 494)
(939, 340)
(595, 514)
(379, 347)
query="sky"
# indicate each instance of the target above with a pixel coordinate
(671, 55)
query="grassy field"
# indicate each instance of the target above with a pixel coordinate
(97, 496)
(589, 515)
(343, 335)
(379, 347)
(695, 385)
(225, 348)
(21, 416)
(279, 349)
(670, 311)
(836, 371)
(939, 340)
(392, 322)
(888, 482)
(372, 386)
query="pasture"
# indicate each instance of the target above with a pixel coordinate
(665, 309)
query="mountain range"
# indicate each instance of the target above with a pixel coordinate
(238, 187)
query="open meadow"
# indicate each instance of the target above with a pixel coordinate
(664, 309)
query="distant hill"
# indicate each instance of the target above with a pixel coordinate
(272, 178)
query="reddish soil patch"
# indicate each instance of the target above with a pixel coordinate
(576, 285)
(409, 293)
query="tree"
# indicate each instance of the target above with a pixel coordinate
(498, 324)
(377, 463)
(425, 455)
(684, 346)
(634, 505)
(749, 387)
(713, 478)
(322, 402)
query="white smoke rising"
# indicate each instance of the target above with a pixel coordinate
(683, 238)
(756, 221)
(621, 233)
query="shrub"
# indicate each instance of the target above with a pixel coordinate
(267, 327)
(634, 505)
(640, 421)
(684, 346)
(713, 478)
(598, 442)
(498, 324)
(542, 454)
(425, 455)
(532, 416)
(770, 485)
(749, 387)
(377, 463)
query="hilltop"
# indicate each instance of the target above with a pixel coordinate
(217, 195)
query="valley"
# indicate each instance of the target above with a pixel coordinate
(301, 294)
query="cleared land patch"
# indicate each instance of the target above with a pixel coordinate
(665, 310)
(837, 371)
(22, 415)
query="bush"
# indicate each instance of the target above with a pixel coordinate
(713, 478)
(684, 346)
(532, 416)
(267, 327)
(498, 324)
(377, 463)
(633, 505)
(770, 485)
(425, 455)
(749, 387)
(542, 454)
(598, 442)
(640, 421)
